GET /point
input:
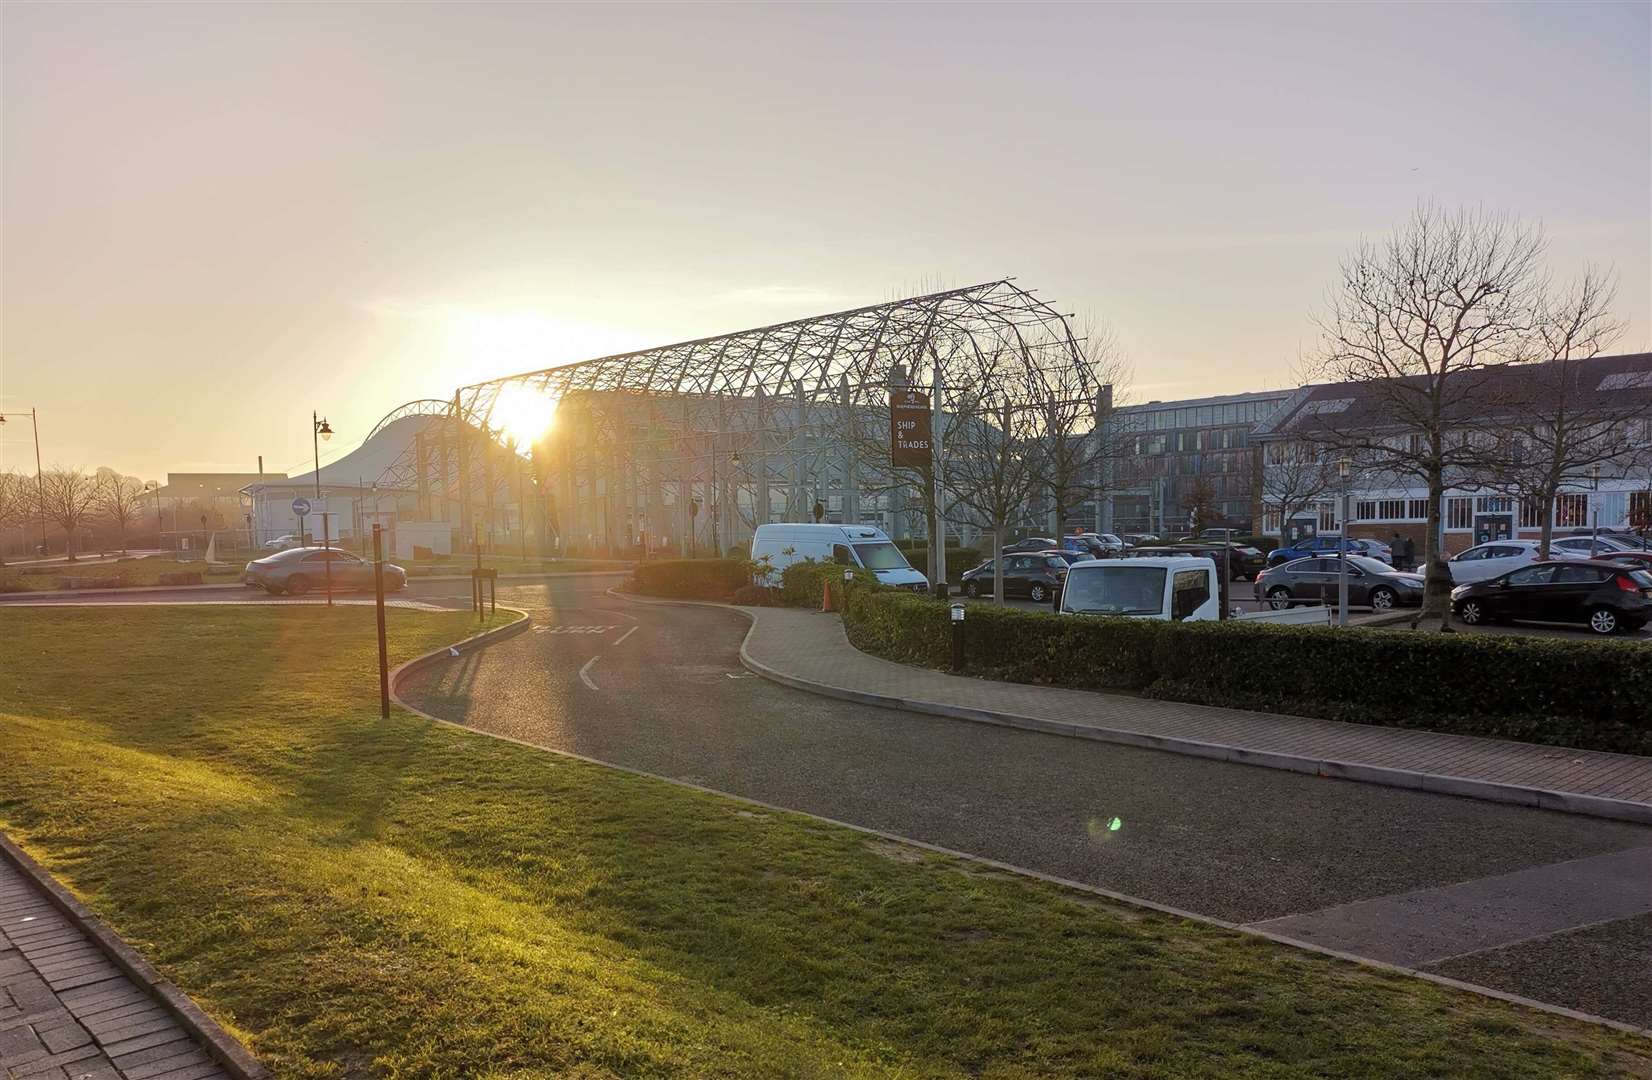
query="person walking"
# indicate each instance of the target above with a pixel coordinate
(1396, 550)
(1408, 548)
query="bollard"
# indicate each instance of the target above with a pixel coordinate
(957, 637)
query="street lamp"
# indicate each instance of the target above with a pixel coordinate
(1343, 471)
(320, 429)
(39, 479)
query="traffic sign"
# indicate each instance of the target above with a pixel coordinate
(301, 506)
(909, 429)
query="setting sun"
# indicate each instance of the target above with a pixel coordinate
(522, 414)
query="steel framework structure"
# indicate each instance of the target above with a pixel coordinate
(643, 440)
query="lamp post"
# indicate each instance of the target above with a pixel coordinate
(1594, 510)
(1343, 471)
(39, 479)
(320, 429)
(160, 526)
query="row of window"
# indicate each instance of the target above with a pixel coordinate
(1249, 413)
(1571, 511)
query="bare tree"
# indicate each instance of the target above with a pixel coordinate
(68, 497)
(1415, 323)
(1291, 477)
(16, 503)
(1550, 428)
(993, 444)
(1072, 405)
(119, 501)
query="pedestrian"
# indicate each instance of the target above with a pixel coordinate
(1410, 553)
(1396, 550)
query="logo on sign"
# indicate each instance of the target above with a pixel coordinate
(301, 506)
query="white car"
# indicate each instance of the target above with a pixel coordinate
(1483, 561)
(281, 543)
(1578, 547)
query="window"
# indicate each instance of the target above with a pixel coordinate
(1580, 575)
(1473, 555)
(1532, 575)
(1191, 589)
(1270, 521)
(1327, 516)
(1571, 510)
(841, 556)
(1494, 504)
(1416, 509)
(1640, 509)
(1504, 552)
(1531, 512)
(1459, 512)
(1365, 510)
(879, 556)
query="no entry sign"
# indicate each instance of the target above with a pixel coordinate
(909, 444)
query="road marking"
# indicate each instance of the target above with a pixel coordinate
(586, 678)
(563, 628)
(621, 639)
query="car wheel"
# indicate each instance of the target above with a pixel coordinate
(1279, 598)
(1604, 621)
(1471, 613)
(298, 585)
(273, 589)
(1038, 593)
(1382, 599)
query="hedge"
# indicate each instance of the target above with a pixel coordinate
(958, 559)
(802, 584)
(691, 579)
(1591, 695)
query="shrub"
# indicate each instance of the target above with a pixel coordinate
(755, 596)
(1584, 694)
(802, 583)
(958, 559)
(691, 579)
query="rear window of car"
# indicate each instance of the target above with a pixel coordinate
(1643, 578)
(1580, 575)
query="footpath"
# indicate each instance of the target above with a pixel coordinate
(810, 651)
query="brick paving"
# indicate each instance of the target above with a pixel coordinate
(68, 1013)
(812, 647)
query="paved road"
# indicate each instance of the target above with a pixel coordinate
(1504, 891)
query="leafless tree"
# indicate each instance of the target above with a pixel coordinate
(1072, 406)
(992, 467)
(1290, 476)
(1416, 321)
(16, 503)
(119, 501)
(68, 497)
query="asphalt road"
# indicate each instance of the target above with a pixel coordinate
(661, 689)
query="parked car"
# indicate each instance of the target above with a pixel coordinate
(1491, 560)
(1330, 544)
(1132, 540)
(1031, 543)
(1634, 559)
(1243, 562)
(299, 570)
(1037, 576)
(1069, 556)
(1082, 544)
(281, 543)
(1371, 583)
(1585, 547)
(1605, 597)
(1112, 546)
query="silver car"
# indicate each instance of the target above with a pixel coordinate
(298, 570)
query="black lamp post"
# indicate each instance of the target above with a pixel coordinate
(39, 478)
(320, 429)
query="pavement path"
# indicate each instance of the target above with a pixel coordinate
(66, 1011)
(1552, 906)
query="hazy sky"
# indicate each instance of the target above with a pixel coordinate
(220, 217)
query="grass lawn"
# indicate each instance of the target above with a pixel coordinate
(403, 898)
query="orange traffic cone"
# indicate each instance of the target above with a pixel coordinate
(826, 595)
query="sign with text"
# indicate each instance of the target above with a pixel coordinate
(909, 444)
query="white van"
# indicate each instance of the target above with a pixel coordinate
(1182, 588)
(846, 545)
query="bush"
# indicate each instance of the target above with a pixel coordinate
(1583, 694)
(958, 559)
(691, 579)
(802, 583)
(755, 596)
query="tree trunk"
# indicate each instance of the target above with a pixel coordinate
(1548, 529)
(1437, 578)
(998, 562)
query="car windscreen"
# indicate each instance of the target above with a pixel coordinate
(881, 556)
(1116, 590)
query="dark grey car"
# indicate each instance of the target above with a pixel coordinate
(299, 570)
(1371, 583)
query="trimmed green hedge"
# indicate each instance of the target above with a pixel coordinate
(1584, 694)
(958, 559)
(803, 583)
(691, 579)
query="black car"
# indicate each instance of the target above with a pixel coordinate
(1371, 583)
(1031, 543)
(1242, 562)
(1038, 576)
(1606, 597)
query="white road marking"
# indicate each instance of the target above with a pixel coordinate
(563, 628)
(621, 639)
(584, 677)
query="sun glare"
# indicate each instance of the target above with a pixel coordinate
(522, 414)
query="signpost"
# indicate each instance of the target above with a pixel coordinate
(301, 508)
(909, 433)
(378, 602)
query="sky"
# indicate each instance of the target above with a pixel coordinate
(220, 217)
